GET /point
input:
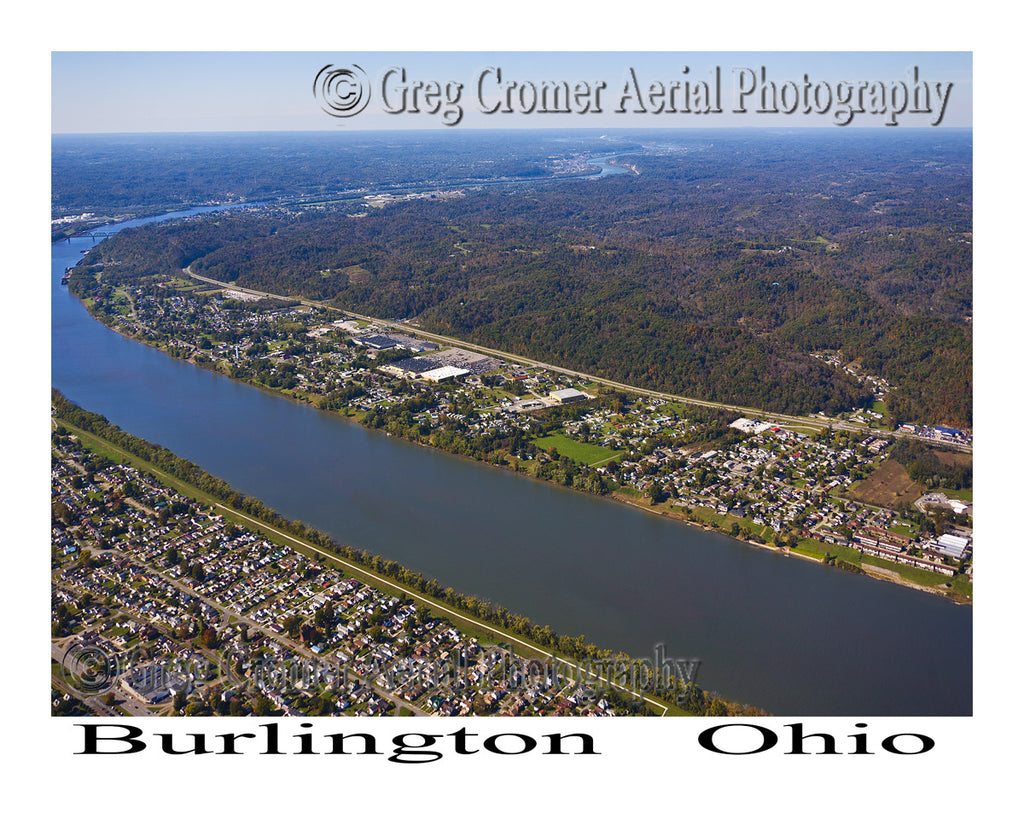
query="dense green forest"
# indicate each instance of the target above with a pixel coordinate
(935, 468)
(712, 270)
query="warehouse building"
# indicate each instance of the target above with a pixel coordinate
(444, 373)
(568, 396)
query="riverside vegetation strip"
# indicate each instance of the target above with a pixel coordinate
(127, 548)
(779, 486)
(869, 217)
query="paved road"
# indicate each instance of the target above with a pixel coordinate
(801, 420)
(379, 582)
(433, 604)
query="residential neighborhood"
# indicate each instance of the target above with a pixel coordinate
(768, 481)
(201, 616)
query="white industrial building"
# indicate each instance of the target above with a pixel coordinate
(444, 373)
(952, 545)
(748, 425)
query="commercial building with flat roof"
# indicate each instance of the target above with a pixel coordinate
(568, 396)
(444, 373)
(375, 342)
(952, 546)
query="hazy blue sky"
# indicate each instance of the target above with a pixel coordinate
(257, 91)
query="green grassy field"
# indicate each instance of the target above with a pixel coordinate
(577, 450)
(681, 410)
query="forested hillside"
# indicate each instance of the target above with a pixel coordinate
(713, 270)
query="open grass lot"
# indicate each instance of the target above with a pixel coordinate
(889, 485)
(815, 548)
(804, 430)
(671, 408)
(725, 522)
(356, 273)
(577, 450)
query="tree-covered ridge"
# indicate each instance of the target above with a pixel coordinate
(713, 273)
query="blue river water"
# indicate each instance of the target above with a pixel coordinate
(787, 635)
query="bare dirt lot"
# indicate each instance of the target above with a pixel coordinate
(889, 485)
(947, 456)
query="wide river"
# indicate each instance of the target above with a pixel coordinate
(790, 636)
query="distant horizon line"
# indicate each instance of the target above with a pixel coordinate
(616, 129)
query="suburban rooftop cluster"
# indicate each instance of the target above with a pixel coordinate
(205, 616)
(832, 494)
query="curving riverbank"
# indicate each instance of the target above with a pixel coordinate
(896, 574)
(777, 632)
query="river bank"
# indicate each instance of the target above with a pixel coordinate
(527, 468)
(877, 572)
(492, 625)
(777, 632)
